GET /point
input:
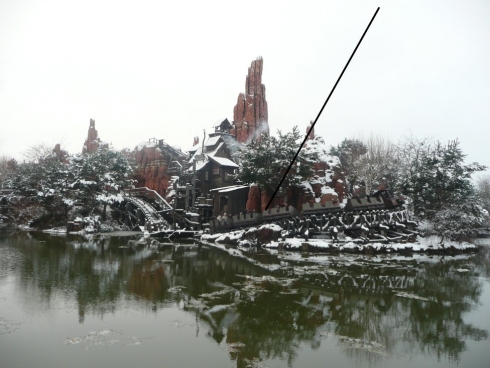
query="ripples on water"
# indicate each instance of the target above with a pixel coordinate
(125, 301)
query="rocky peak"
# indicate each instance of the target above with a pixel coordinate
(250, 114)
(93, 142)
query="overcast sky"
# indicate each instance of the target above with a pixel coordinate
(169, 69)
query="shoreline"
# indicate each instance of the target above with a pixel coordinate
(429, 245)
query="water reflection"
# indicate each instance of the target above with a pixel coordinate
(375, 308)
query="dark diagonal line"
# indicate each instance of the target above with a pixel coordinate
(321, 110)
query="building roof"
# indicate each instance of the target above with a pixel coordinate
(229, 189)
(207, 153)
(223, 161)
(211, 141)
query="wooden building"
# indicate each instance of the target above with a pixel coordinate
(230, 200)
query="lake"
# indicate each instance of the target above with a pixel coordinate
(127, 301)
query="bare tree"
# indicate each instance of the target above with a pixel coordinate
(377, 166)
(38, 152)
(7, 165)
(483, 191)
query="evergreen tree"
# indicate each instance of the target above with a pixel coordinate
(459, 221)
(52, 182)
(265, 161)
(435, 176)
(100, 177)
(43, 185)
(349, 152)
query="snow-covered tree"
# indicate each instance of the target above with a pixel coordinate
(483, 191)
(43, 185)
(349, 152)
(434, 176)
(459, 221)
(100, 177)
(378, 165)
(7, 168)
(265, 161)
(52, 182)
(366, 162)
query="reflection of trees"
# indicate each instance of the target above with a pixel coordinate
(91, 271)
(437, 325)
(356, 300)
(481, 259)
(426, 317)
(273, 325)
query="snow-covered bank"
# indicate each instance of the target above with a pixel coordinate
(430, 244)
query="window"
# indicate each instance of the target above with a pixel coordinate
(216, 170)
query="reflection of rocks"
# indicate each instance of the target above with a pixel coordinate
(376, 307)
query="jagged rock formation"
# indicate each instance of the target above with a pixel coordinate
(250, 115)
(156, 163)
(327, 184)
(61, 154)
(93, 142)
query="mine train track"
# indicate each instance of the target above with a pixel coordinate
(149, 209)
(366, 226)
(380, 218)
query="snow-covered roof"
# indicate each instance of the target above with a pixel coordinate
(223, 161)
(229, 188)
(194, 148)
(212, 141)
(208, 153)
(232, 189)
(199, 165)
(215, 151)
(197, 153)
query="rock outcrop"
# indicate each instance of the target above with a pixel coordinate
(156, 163)
(93, 142)
(327, 183)
(250, 115)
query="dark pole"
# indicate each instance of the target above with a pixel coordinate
(321, 110)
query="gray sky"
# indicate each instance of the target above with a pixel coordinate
(169, 69)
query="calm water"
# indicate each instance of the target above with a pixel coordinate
(120, 302)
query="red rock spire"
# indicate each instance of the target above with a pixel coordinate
(250, 115)
(93, 142)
